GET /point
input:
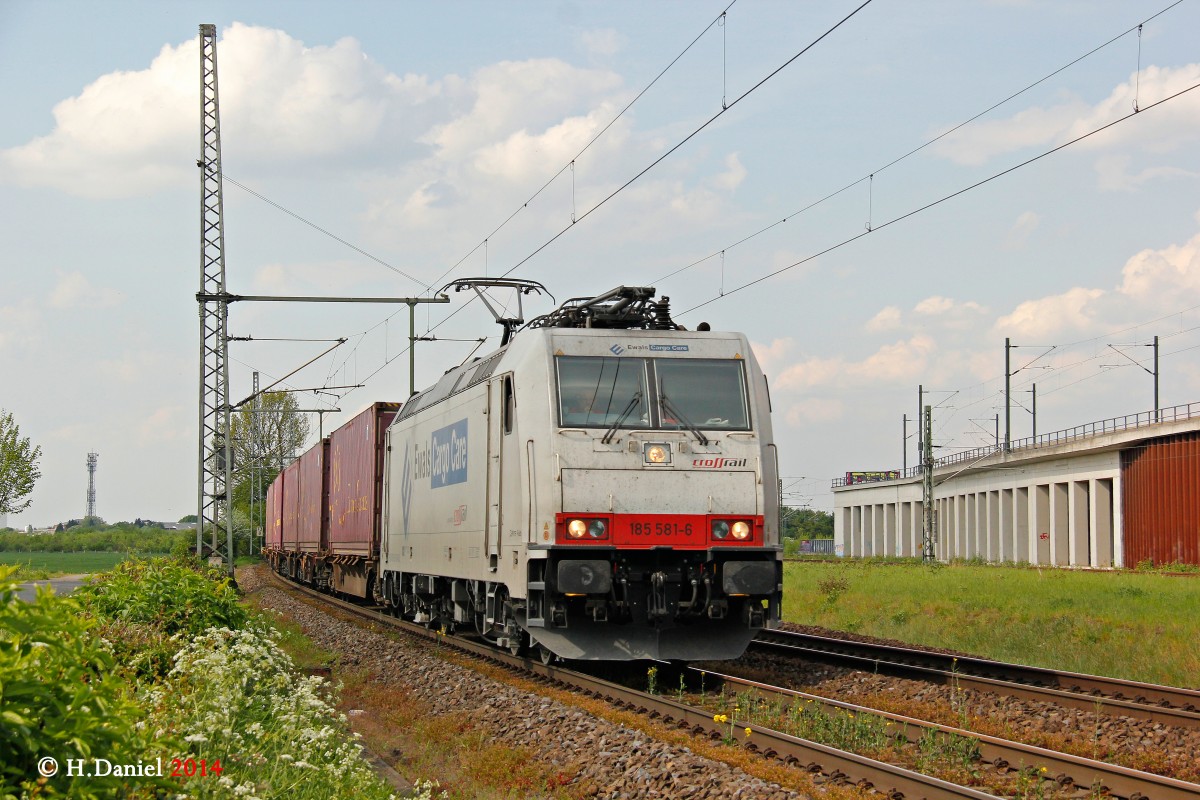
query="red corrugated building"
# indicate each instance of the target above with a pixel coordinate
(1160, 482)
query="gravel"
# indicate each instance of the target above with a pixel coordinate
(1141, 744)
(618, 761)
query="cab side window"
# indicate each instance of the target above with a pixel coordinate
(509, 409)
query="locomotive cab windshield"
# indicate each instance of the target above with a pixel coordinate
(597, 392)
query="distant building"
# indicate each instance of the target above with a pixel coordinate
(1107, 494)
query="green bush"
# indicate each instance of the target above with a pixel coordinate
(175, 595)
(142, 605)
(59, 698)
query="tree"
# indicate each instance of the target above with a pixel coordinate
(807, 523)
(268, 432)
(18, 466)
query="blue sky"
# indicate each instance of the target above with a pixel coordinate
(413, 131)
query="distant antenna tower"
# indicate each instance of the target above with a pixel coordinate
(91, 503)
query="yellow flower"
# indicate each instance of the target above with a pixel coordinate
(747, 731)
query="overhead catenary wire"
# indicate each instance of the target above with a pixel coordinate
(945, 198)
(654, 163)
(724, 110)
(571, 164)
(317, 227)
(871, 175)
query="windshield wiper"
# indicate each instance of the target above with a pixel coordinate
(633, 403)
(684, 421)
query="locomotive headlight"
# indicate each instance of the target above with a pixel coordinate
(741, 530)
(596, 528)
(577, 528)
(720, 529)
(657, 453)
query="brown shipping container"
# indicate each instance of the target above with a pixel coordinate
(291, 505)
(313, 523)
(356, 481)
(1160, 487)
(274, 515)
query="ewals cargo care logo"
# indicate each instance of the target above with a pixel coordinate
(448, 456)
(617, 349)
(718, 463)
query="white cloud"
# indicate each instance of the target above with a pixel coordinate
(1166, 128)
(1113, 173)
(514, 96)
(814, 410)
(1072, 310)
(949, 312)
(139, 367)
(523, 154)
(1022, 229)
(74, 290)
(135, 131)
(772, 357)
(604, 42)
(20, 326)
(164, 425)
(980, 142)
(934, 305)
(1152, 282)
(887, 319)
(1172, 272)
(897, 362)
(734, 173)
(321, 277)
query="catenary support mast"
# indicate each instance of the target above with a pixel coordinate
(212, 513)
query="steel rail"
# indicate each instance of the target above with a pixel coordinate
(838, 766)
(1162, 704)
(1064, 768)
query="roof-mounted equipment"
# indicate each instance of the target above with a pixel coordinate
(522, 288)
(625, 307)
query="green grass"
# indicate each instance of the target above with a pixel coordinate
(1139, 626)
(39, 565)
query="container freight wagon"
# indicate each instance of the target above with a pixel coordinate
(289, 479)
(312, 522)
(355, 499)
(273, 526)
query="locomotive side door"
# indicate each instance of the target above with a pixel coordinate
(504, 477)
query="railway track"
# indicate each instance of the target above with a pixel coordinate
(1161, 704)
(837, 766)
(1068, 771)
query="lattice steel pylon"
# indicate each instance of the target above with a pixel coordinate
(92, 458)
(215, 466)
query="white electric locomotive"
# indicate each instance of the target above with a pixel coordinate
(604, 486)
